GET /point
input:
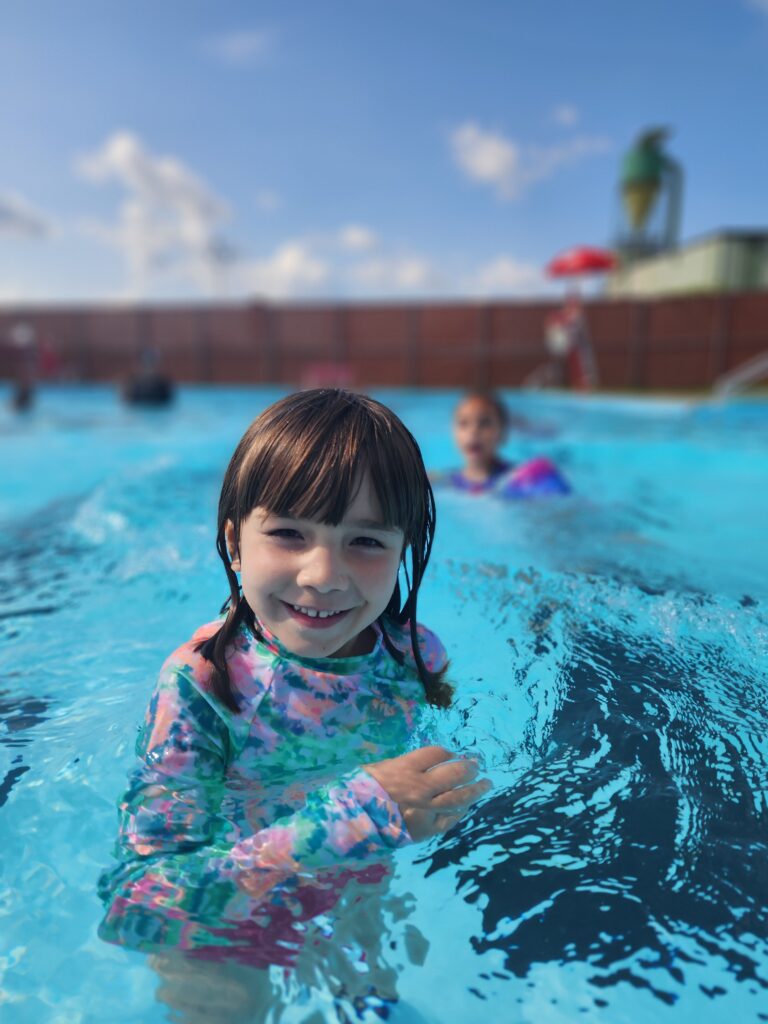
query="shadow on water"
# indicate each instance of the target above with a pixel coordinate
(635, 842)
(18, 714)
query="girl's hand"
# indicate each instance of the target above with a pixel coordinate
(425, 824)
(432, 789)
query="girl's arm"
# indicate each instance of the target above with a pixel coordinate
(177, 866)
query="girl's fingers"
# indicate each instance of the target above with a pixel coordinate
(425, 758)
(461, 798)
(450, 774)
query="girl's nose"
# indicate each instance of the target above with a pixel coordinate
(322, 571)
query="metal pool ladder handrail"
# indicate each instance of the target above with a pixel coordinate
(750, 372)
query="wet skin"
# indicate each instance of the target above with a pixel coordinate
(295, 571)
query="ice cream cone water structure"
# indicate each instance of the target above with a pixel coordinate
(650, 187)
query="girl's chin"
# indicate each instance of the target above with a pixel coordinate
(309, 643)
(298, 642)
(328, 649)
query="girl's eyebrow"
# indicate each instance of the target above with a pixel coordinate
(371, 524)
(355, 524)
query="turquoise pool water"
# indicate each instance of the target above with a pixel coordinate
(609, 650)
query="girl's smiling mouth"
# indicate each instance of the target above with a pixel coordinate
(315, 618)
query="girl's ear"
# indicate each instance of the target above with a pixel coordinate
(229, 533)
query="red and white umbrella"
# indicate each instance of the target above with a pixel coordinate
(582, 259)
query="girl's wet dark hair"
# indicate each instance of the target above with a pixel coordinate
(304, 457)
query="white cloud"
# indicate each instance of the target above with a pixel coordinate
(510, 167)
(508, 276)
(336, 264)
(404, 273)
(20, 219)
(357, 238)
(566, 114)
(758, 5)
(169, 217)
(240, 48)
(293, 269)
(485, 157)
(267, 199)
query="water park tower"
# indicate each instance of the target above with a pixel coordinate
(651, 189)
(652, 262)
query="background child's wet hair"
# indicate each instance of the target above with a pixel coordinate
(304, 457)
(493, 401)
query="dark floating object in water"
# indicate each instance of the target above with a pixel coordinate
(23, 397)
(148, 390)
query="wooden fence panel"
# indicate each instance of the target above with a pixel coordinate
(515, 342)
(611, 327)
(380, 345)
(675, 343)
(237, 340)
(747, 329)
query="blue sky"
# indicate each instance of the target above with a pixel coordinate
(182, 149)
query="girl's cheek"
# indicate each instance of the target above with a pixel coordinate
(375, 567)
(263, 562)
(387, 574)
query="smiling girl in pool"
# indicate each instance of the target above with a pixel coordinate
(273, 763)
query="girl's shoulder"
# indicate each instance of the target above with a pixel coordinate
(248, 670)
(431, 648)
(188, 660)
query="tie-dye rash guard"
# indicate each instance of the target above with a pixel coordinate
(237, 825)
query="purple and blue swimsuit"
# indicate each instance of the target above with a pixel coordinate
(528, 480)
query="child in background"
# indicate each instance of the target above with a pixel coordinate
(271, 765)
(480, 426)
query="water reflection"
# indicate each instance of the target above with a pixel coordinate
(345, 966)
(635, 842)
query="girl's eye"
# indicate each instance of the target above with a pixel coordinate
(285, 534)
(367, 542)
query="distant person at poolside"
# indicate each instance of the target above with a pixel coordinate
(23, 339)
(148, 386)
(481, 423)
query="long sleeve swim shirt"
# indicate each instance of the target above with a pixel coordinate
(235, 820)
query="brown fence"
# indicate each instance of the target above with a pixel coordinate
(666, 344)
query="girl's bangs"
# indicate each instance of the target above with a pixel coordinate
(315, 473)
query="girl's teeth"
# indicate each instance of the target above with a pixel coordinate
(313, 613)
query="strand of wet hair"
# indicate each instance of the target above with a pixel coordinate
(439, 693)
(214, 649)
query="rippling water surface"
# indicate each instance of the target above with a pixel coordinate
(609, 651)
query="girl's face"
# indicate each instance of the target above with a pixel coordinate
(318, 588)
(477, 431)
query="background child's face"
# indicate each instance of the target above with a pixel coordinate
(293, 569)
(477, 431)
